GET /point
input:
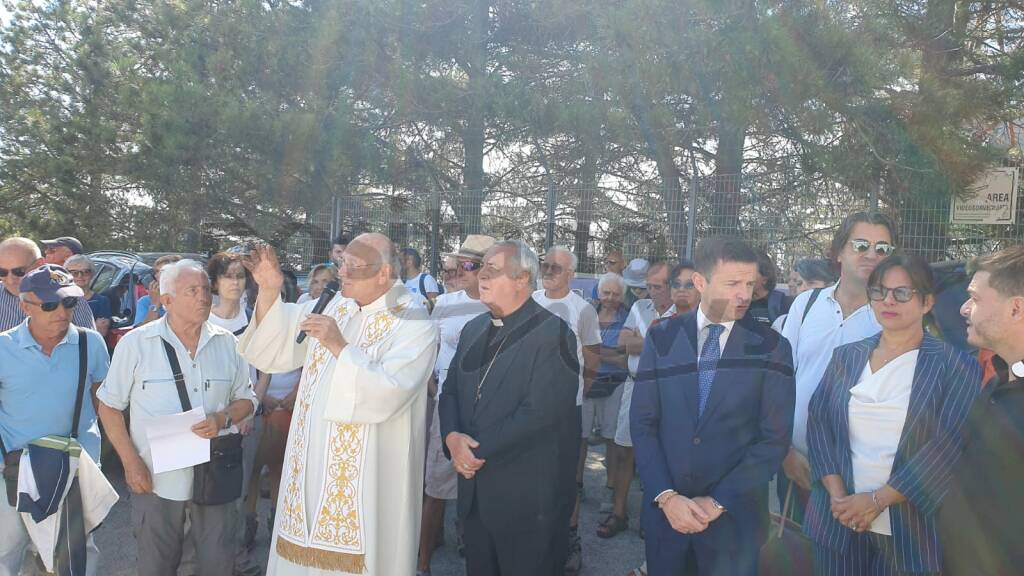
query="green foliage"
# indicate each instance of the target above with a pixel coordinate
(141, 123)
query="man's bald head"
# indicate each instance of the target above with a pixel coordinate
(22, 246)
(18, 255)
(385, 249)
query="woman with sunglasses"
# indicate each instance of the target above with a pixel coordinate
(82, 270)
(685, 295)
(884, 429)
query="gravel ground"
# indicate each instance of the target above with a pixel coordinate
(613, 557)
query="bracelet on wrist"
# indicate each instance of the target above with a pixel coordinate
(874, 500)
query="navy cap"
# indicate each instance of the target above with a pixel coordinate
(69, 242)
(50, 283)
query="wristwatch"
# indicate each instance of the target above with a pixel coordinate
(227, 420)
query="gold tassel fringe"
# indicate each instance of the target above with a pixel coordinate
(321, 559)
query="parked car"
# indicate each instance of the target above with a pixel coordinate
(121, 277)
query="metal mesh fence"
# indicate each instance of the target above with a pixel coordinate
(648, 221)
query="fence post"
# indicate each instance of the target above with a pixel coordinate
(691, 210)
(876, 184)
(549, 236)
(435, 231)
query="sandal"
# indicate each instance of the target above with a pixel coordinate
(251, 526)
(612, 525)
(640, 571)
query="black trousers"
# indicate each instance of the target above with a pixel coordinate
(537, 551)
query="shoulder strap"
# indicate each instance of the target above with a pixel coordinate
(179, 378)
(423, 284)
(83, 367)
(810, 302)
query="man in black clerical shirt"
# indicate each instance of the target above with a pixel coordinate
(982, 515)
(507, 415)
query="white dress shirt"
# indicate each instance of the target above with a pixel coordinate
(702, 333)
(140, 378)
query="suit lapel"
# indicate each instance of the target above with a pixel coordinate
(852, 365)
(926, 373)
(734, 347)
(472, 368)
(689, 375)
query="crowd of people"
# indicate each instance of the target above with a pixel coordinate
(366, 412)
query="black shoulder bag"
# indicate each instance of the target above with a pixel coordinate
(218, 481)
(12, 459)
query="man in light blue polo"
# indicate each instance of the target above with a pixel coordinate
(38, 385)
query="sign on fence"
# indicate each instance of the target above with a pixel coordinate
(993, 200)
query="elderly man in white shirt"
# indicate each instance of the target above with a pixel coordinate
(141, 379)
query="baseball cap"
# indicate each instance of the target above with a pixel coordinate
(69, 242)
(50, 283)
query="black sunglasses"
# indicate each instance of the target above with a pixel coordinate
(901, 294)
(676, 284)
(18, 272)
(861, 246)
(68, 303)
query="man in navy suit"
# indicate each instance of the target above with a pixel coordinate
(711, 420)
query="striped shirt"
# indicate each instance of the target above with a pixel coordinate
(11, 314)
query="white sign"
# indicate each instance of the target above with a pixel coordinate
(993, 200)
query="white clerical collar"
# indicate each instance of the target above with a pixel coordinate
(1018, 369)
(497, 321)
(703, 321)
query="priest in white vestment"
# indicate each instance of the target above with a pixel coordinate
(352, 487)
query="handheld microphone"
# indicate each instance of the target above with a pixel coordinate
(325, 297)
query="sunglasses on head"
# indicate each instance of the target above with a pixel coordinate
(676, 284)
(861, 246)
(548, 267)
(18, 272)
(902, 294)
(68, 303)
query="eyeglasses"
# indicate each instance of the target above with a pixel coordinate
(349, 265)
(77, 273)
(233, 276)
(68, 303)
(861, 246)
(449, 271)
(677, 285)
(549, 268)
(18, 272)
(901, 294)
(469, 266)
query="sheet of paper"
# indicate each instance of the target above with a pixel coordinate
(172, 443)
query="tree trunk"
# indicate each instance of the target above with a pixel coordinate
(474, 131)
(727, 200)
(661, 151)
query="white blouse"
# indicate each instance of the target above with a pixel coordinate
(878, 410)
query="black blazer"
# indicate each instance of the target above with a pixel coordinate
(524, 421)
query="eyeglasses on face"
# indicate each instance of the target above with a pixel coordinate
(861, 246)
(77, 273)
(18, 272)
(677, 285)
(551, 268)
(468, 266)
(901, 294)
(68, 303)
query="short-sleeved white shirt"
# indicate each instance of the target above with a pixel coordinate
(413, 284)
(581, 317)
(641, 315)
(451, 314)
(141, 379)
(813, 340)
